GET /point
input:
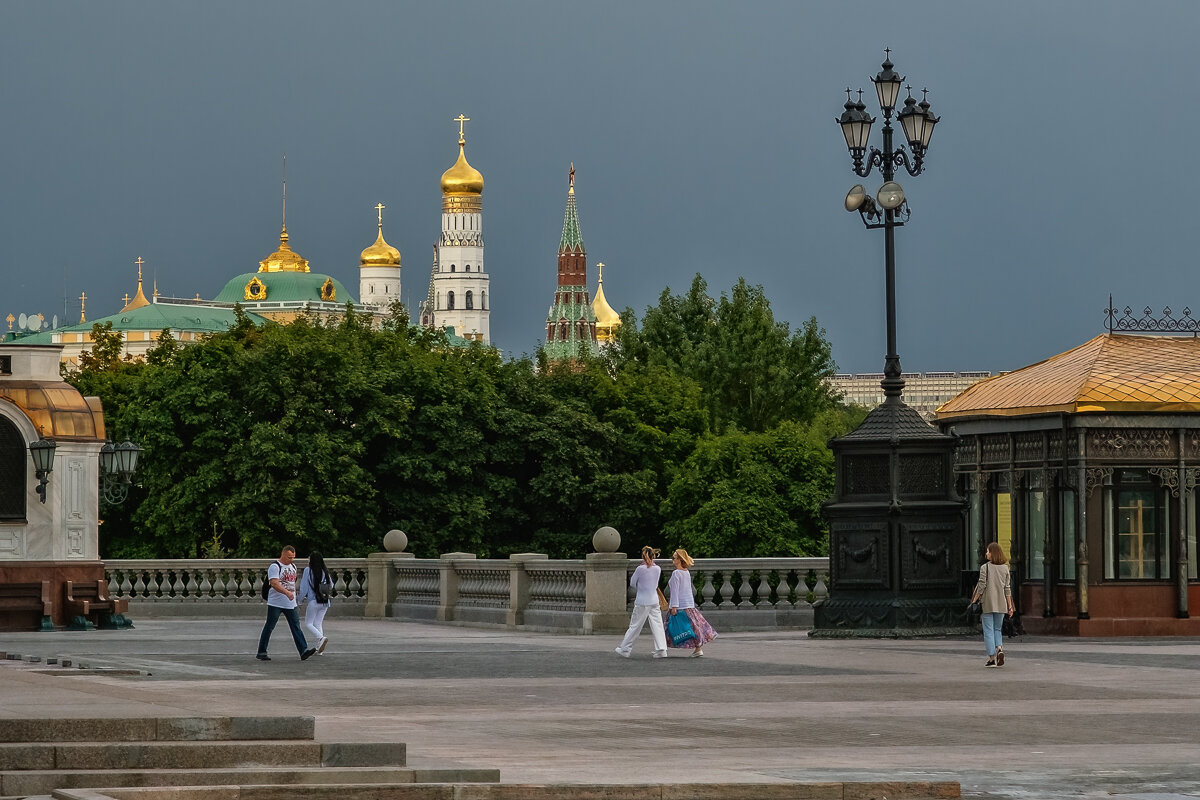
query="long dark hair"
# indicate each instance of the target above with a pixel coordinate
(316, 571)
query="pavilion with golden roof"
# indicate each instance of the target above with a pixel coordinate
(1084, 467)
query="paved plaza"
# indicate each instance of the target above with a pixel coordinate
(1064, 717)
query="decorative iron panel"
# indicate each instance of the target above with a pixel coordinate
(923, 474)
(12, 471)
(1131, 443)
(964, 451)
(929, 553)
(860, 555)
(865, 474)
(995, 449)
(1029, 447)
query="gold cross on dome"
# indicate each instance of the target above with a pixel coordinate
(600, 269)
(10, 318)
(460, 119)
(139, 262)
(82, 306)
(379, 207)
(126, 298)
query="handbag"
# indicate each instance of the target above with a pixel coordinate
(975, 609)
(679, 628)
(663, 605)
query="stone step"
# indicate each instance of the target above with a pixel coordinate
(141, 729)
(198, 754)
(900, 790)
(32, 782)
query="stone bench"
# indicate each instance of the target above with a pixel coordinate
(33, 596)
(83, 599)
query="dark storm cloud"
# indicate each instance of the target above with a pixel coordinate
(703, 135)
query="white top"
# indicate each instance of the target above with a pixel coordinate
(286, 576)
(308, 592)
(680, 587)
(645, 580)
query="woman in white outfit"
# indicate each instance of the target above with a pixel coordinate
(645, 606)
(315, 575)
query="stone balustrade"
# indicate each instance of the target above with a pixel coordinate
(219, 587)
(527, 590)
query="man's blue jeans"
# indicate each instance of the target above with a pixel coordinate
(992, 625)
(293, 619)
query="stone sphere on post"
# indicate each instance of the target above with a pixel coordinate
(394, 541)
(606, 540)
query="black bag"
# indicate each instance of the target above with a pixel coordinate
(975, 609)
(266, 587)
(1011, 627)
(324, 589)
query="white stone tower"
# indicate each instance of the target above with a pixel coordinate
(459, 292)
(379, 271)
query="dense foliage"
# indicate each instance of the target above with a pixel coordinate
(705, 427)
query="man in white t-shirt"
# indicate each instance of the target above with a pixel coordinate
(281, 599)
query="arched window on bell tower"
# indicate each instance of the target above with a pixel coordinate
(470, 300)
(449, 301)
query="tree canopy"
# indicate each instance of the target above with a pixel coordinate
(705, 427)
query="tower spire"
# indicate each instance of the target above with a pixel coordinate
(139, 297)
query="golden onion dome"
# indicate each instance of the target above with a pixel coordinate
(607, 319)
(380, 254)
(462, 178)
(284, 259)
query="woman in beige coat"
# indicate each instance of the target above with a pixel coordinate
(994, 592)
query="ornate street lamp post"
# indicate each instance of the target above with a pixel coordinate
(891, 209)
(896, 543)
(42, 452)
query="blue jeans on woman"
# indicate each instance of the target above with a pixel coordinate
(992, 626)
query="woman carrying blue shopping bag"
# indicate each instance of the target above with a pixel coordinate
(689, 629)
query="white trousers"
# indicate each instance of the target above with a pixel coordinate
(640, 615)
(314, 619)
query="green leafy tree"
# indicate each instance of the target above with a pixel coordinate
(742, 495)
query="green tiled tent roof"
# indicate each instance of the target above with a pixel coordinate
(154, 317)
(283, 287)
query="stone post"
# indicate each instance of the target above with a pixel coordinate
(606, 584)
(381, 578)
(448, 586)
(518, 586)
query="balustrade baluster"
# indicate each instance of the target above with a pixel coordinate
(358, 583)
(206, 586)
(820, 590)
(126, 586)
(744, 590)
(245, 583)
(191, 588)
(764, 590)
(139, 585)
(708, 590)
(113, 585)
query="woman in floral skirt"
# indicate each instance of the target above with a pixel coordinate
(682, 599)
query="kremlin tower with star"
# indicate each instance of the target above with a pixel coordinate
(571, 321)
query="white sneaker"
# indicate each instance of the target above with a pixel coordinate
(321, 646)
(621, 652)
(660, 653)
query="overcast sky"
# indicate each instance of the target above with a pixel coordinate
(703, 136)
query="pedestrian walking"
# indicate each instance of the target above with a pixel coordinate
(994, 593)
(281, 599)
(316, 584)
(645, 606)
(679, 587)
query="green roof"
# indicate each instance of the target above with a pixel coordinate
(284, 287)
(572, 239)
(153, 317)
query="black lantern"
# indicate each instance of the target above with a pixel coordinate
(117, 465)
(42, 452)
(887, 85)
(917, 121)
(856, 125)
